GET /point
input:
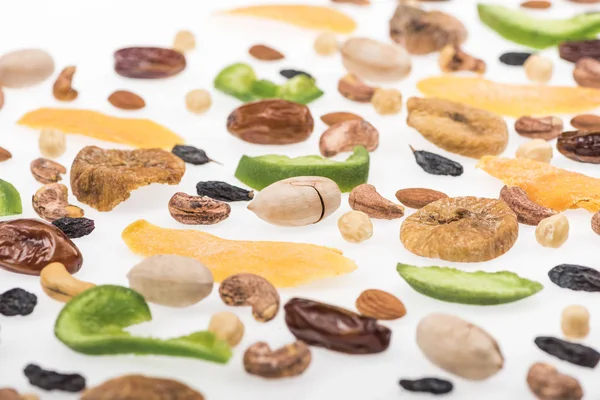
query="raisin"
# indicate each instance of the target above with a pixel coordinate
(17, 302)
(514, 58)
(290, 73)
(191, 154)
(75, 227)
(223, 191)
(437, 165)
(50, 380)
(575, 277)
(428, 385)
(574, 353)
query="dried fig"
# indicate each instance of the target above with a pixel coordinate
(129, 387)
(462, 229)
(375, 61)
(346, 135)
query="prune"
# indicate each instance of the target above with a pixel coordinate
(75, 227)
(575, 277)
(437, 165)
(428, 385)
(148, 62)
(191, 154)
(223, 191)
(17, 302)
(50, 380)
(580, 146)
(574, 353)
(514, 58)
(290, 73)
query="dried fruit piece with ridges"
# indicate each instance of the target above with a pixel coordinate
(575, 50)
(75, 227)
(223, 191)
(418, 197)
(265, 53)
(574, 353)
(337, 117)
(345, 136)
(527, 211)
(17, 302)
(461, 229)
(129, 387)
(148, 62)
(580, 146)
(546, 128)
(366, 199)
(46, 171)
(427, 385)
(514, 58)
(287, 361)
(197, 210)
(452, 59)
(378, 304)
(126, 100)
(191, 155)
(51, 380)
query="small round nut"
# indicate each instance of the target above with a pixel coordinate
(355, 226)
(228, 327)
(387, 101)
(552, 231)
(251, 290)
(52, 143)
(184, 41)
(198, 101)
(326, 44)
(536, 149)
(538, 69)
(575, 322)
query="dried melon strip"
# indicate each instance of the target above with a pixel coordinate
(546, 185)
(283, 264)
(142, 133)
(511, 100)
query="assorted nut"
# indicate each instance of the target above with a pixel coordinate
(337, 117)
(452, 59)
(59, 284)
(24, 68)
(126, 100)
(4, 154)
(546, 128)
(62, 89)
(184, 41)
(46, 171)
(539, 69)
(575, 322)
(527, 211)
(586, 122)
(587, 72)
(51, 202)
(552, 231)
(326, 44)
(355, 226)
(380, 305)
(265, 53)
(197, 210)
(251, 290)
(290, 360)
(366, 199)
(387, 101)
(52, 143)
(345, 136)
(198, 101)
(536, 4)
(535, 149)
(228, 327)
(548, 384)
(375, 61)
(352, 88)
(418, 197)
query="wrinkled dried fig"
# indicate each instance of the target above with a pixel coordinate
(51, 202)
(375, 61)
(352, 88)
(129, 387)
(366, 199)
(346, 135)
(453, 59)
(46, 171)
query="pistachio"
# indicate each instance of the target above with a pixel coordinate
(337, 117)
(587, 72)
(375, 61)
(346, 135)
(453, 59)
(228, 327)
(62, 89)
(366, 199)
(51, 203)
(352, 88)
(46, 171)
(298, 201)
(528, 212)
(586, 122)
(548, 384)
(197, 210)
(59, 284)
(546, 128)
(290, 360)
(251, 290)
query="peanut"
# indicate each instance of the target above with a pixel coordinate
(228, 327)
(59, 284)
(538, 69)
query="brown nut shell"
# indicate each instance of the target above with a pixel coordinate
(51, 202)
(46, 171)
(596, 223)
(528, 212)
(418, 197)
(130, 387)
(148, 62)
(343, 137)
(580, 146)
(353, 88)
(366, 199)
(251, 290)
(197, 210)
(548, 384)
(126, 100)
(547, 128)
(378, 304)
(573, 51)
(289, 360)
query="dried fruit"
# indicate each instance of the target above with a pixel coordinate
(422, 32)
(418, 197)
(291, 73)
(51, 203)
(355, 226)
(326, 44)
(575, 50)
(197, 210)
(46, 171)
(74, 227)
(437, 165)
(575, 322)
(51, 380)
(29, 245)
(104, 178)
(191, 154)
(271, 122)
(514, 58)
(353, 88)
(17, 302)
(128, 387)
(184, 41)
(228, 257)
(511, 100)
(126, 100)
(527, 211)
(223, 191)
(536, 4)
(580, 146)
(335, 328)
(345, 136)
(5, 154)
(297, 201)
(24, 68)
(587, 72)
(290, 360)
(171, 280)
(552, 231)
(456, 286)
(62, 89)
(380, 305)
(227, 326)
(305, 16)
(458, 128)
(575, 277)
(539, 69)
(148, 62)
(59, 284)
(251, 290)
(452, 59)
(462, 229)
(10, 199)
(459, 347)
(198, 101)
(366, 199)
(547, 383)
(546, 128)
(265, 53)
(53, 143)
(427, 385)
(375, 61)
(387, 101)
(536, 149)
(586, 122)
(338, 117)
(574, 353)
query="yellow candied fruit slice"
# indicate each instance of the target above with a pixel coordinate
(546, 185)
(281, 263)
(511, 100)
(304, 16)
(142, 133)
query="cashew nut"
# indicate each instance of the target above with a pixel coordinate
(290, 360)
(59, 284)
(346, 135)
(251, 290)
(228, 327)
(51, 203)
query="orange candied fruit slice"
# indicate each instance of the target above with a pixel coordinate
(281, 263)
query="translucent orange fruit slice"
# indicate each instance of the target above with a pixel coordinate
(304, 16)
(511, 100)
(546, 185)
(281, 263)
(142, 133)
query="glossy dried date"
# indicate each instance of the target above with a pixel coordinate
(574, 353)
(335, 328)
(580, 146)
(573, 51)
(223, 191)
(575, 277)
(437, 165)
(148, 62)
(427, 385)
(28, 245)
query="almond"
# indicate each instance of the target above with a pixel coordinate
(352, 88)
(337, 117)
(586, 122)
(126, 100)
(537, 4)
(265, 53)
(418, 197)
(4, 154)
(378, 304)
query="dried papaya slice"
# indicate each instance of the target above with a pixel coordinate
(305, 16)
(511, 100)
(142, 133)
(546, 185)
(283, 264)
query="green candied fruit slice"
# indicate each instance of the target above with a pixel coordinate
(236, 80)
(300, 89)
(478, 288)
(94, 321)
(10, 199)
(260, 172)
(264, 89)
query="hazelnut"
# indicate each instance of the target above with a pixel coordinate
(184, 41)
(453, 59)
(552, 231)
(198, 101)
(355, 226)
(538, 69)
(52, 143)
(536, 149)
(326, 44)
(587, 72)
(387, 101)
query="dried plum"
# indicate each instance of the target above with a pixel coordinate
(17, 302)
(437, 165)
(50, 380)
(223, 191)
(574, 353)
(191, 154)
(575, 277)
(428, 385)
(514, 58)
(580, 146)
(75, 227)
(290, 73)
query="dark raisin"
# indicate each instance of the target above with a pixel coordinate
(514, 58)
(575, 277)
(50, 380)
(428, 385)
(223, 191)
(437, 165)
(290, 73)
(191, 154)
(17, 302)
(75, 227)
(574, 353)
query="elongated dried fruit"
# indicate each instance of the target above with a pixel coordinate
(51, 380)
(190, 154)
(574, 353)
(148, 62)
(527, 211)
(437, 165)
(418, 197)
(580, 146)
(575, 277)
(74, 227)
(427, 385)
(290, 73)
(366, 199)
(128, 387)
(223, 191)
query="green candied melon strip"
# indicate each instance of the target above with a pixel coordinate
(10, 199)
(479, 288)
(519, 27)
(94, 321)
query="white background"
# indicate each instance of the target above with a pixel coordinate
(86, 34)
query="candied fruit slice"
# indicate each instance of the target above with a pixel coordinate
(546, 185)
(283, 264)
(142, 133)
(511, 100)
